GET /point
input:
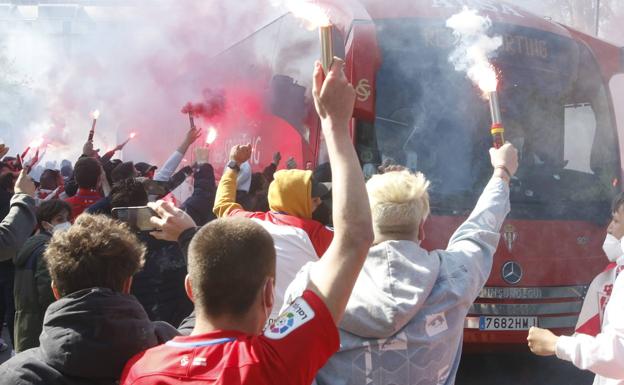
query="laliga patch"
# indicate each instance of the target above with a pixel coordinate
(296, 315)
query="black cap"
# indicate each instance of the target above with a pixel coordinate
(320, 190)
(144, 168)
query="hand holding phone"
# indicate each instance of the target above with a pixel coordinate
(170, 220)
(136, 217)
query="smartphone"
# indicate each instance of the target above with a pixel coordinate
(137, 217)
(153, 187)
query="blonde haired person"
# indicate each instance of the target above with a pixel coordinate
(399, 203)
(404, 320)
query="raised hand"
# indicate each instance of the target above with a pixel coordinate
(334, 96)
(240, 153)
(25, 185)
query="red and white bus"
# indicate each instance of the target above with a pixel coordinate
(413, 107)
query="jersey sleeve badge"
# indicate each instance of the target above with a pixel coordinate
(296, 315)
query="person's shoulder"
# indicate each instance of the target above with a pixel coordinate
(153, 362)
(28, 367)
(142, 362)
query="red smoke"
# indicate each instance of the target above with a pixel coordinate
(212, 106)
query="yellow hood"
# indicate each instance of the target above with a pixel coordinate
(291, 193)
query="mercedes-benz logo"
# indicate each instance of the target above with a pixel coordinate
(512, 272)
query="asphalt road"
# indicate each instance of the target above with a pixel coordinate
(519, 369)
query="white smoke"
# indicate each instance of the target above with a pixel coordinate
(137, 63)
(474, 47)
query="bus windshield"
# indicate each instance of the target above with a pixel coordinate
(555, 109)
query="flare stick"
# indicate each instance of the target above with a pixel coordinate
(498, 131)
(327, 50)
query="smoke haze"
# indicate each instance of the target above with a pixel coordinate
(137, 64)
(475, 47)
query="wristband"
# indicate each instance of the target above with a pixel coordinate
(505, 169)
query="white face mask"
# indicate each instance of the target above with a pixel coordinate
(61, 227)
(612, 248)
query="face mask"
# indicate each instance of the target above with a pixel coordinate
(61, 227)
(612, 248)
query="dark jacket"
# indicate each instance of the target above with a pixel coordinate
(88, 336)
(188, 324)
(103, 206)
(32, 291)
(159, 287)
(199, 205)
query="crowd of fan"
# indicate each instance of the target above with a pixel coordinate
(243, 283)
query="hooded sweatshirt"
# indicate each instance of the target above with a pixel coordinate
(404, 320)
(291, 192)
(298, 238)
(87, 338)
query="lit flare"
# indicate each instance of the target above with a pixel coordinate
(313, 15)
(211, 136)
(36, 143)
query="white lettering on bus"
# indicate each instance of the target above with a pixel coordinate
(243, 139)
(256, 149)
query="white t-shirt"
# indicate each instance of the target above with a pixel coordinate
(293, 249)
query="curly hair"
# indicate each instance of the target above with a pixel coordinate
(95, 252)
(128, 193)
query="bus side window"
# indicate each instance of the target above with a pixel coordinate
(617, 95)
(580, 129)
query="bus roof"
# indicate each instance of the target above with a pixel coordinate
(498, 11)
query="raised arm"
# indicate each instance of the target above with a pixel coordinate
(20, 222)
(476, 240)
(334, 275)
(165, 173)
(225, 200)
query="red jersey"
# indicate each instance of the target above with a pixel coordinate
(82, 200)
(320, 235)
(291, 351)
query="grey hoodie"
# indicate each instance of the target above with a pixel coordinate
(404, 321)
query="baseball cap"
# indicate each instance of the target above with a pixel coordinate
(144, 168)
(320, 189)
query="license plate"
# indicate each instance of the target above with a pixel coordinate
(506, 323)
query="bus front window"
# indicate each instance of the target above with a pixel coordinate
(431, 119)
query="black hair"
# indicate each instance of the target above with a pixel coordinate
(128, 193)
(49, 209)
(49, 178)
(87, 173)
(618, 201)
